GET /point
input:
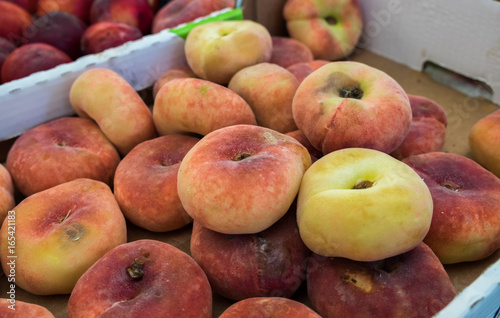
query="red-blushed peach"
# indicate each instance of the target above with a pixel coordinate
(13, 308)
(144, 277)
(330, 28)
(484, 142)
(103, 35)
(31, 58)
(6, 47)
(268, 89)
(350, 104)
(427, 130)
(14, 20)
(145, 184)
(300, 137)
(264, 307)
(137, 13)
(302, 70)
(106, 97)
(215, 51)
(413, 284)
(79, 8)
(362, 204)
(466, 220)
(108, 34)
(264, 264)
(251, 175)
(59, 233)
(192, 105)
(60, 29)
(59, 151)
(173, 73)
(288, 51)
(7, 201)
(176, 12)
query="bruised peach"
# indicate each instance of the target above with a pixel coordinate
(412, 284)
(264, 264)
(352, 105)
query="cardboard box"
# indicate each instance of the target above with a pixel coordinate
(457, 40)
(477, 283)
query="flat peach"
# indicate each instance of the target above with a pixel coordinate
(465, 224)
(145, 183)
(142, 278)
(61, 150)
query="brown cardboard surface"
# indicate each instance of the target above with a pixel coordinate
(462, 112)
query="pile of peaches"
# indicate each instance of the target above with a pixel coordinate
(287, 166)
(37, 35)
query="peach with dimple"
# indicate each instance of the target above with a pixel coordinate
(330, 28)
(61, 150)
(465, 223)
(250, 177)
(215, 51)
(349, 105)
(59, 233)
(142, 278)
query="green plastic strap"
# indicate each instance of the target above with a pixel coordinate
(233, 14)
